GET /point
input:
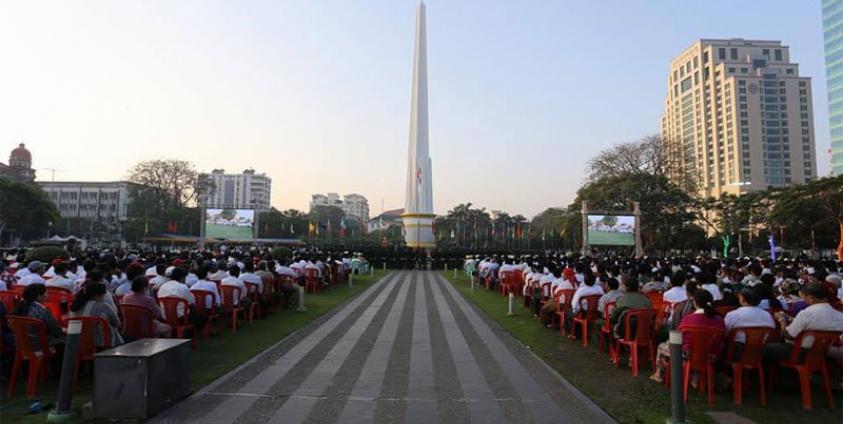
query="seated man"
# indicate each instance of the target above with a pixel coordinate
(60, 279)
(818, 316)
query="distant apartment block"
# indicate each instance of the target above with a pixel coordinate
(98, 201)
(354, 205)
(247, 190)
(738, 117)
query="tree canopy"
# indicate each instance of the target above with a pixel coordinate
(25, 210)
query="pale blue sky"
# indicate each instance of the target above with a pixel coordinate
(316, 93)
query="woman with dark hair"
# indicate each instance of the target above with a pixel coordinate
(31, 306)
(90, 302)
(703, 316)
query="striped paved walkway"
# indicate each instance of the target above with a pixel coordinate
(408, 349)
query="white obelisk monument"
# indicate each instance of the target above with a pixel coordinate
(418, 210)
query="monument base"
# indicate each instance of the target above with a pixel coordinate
(418, 230)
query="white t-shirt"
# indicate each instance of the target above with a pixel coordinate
(157, 281)
(207, 286)
(248, 277)
(714, 290)
(236, 282)
(63, 282)
(583, 291)
(819, 316)
(675, 295)
(174, 288)
(31, 278)
(748, 316)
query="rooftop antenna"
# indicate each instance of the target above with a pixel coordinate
(52, 172)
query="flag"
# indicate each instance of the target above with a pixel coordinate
(291, 229)
(171, 227)
(311, 228)
(145, 228)
(343, 229)
(518, 231)
(452, 233)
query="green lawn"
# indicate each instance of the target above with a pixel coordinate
(212, 358)
(604, 238)
(638, 400)
(228, 232)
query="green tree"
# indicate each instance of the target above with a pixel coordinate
(814, 206)
(666, 210)
(25, 210)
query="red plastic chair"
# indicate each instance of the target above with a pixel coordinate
(750, 359)
(58, 294)
(138, 322)
(230, 298)
(606, 328)
(179, 324)
(662, 308)
(545, 293)
(203, 297)
(562, 298)
(701, 358)
(9, 299)
(507, 284)
(528, 293)
(311, 278)
(24, 329)
(809, 361)
(18, 290)
(643, 322)
(253, 293)
(588, 314)
(91, 326)
(56, 312)
(654, 297)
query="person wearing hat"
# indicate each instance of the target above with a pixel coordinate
(36, 268)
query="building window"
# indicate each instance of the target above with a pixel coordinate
(721, 53)
(778, 55)
(734, 54)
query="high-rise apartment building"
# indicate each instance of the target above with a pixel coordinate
(354, 205)
(240, 191)
(738, 118)
(833, 30)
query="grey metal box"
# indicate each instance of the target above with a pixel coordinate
(141, 378)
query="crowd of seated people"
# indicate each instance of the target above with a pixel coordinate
(724, 303)
(116, 289)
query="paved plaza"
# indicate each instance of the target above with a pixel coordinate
(408, 349)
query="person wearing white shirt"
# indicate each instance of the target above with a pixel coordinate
(748, 315)
(677, 292)
(298, 268)
(176, 288)
(132, 271)
(249, 276)
(34, 276)
(285, 270)
(818, 316)
(156, 282)
(588, 288)
(191, 279)
(234, 281)
(210, 286)
(710, 285)
(60, 278)
(23, 272)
